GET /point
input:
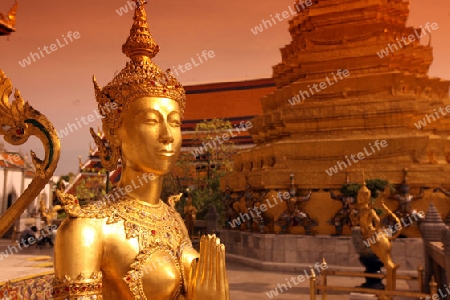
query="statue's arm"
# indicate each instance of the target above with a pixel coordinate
(307, 197)
(421, 194)
(189, 254)
(333, 196)
(78, 256)
(446, 193)
(375, 219)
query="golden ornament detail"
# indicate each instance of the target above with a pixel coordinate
(157, 227)
(109, 154)
(85, 286)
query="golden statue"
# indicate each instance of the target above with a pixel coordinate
(131, 245)
(371, 230)
(47, 215)
(190, 215)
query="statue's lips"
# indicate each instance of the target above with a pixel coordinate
(167, 153)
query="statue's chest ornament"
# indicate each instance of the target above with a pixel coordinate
(157, 230)
(155, 226)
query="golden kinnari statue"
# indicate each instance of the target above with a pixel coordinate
(132, 245)
(369, 223)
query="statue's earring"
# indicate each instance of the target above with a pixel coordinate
(109, 154)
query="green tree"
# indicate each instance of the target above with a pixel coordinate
(374, 185)
(201, 169)
(92, 188)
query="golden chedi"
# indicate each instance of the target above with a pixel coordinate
(339, 97)
(132, 245)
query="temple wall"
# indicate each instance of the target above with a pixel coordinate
(297, 252)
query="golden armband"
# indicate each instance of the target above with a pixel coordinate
(82, 288)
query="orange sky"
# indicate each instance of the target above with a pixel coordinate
(59, 84)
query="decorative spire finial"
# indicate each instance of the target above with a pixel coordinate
(140, 44)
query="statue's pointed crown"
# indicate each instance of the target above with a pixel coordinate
(364, 193)
(140, 77)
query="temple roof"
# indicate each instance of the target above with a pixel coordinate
(5, 29)
(226, 99)
(8, 22)
(235, 102)
(11, 160)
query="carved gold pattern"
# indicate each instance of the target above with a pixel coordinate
(157, 227)
(85, 286)
(109, 154)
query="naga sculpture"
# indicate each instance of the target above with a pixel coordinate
(130, 244)
(19, 121)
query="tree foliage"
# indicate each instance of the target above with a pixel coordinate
(374, 185)
(201, 173)
(89, 189)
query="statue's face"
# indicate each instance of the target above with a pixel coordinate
(150, 135)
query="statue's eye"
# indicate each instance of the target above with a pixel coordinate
(174, 119)
(150, 118)
(175, 123)
(151, 121)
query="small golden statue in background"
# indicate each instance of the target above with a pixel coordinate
(371, 230)
(190, 215)
(47, 215)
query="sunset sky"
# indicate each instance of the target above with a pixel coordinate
(59, 84)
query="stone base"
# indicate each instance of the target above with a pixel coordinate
(285, 250)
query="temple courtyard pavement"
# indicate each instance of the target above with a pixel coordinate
(245, 282)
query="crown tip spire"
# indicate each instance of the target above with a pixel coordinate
(140, 43)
